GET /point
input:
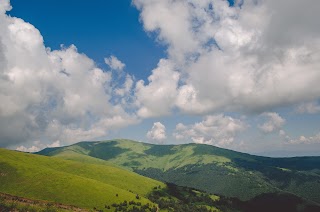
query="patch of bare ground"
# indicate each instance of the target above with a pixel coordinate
(7, 198)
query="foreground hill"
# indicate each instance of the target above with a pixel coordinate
(204, 167)
(38, 183)
(69, 182)
(31, 182)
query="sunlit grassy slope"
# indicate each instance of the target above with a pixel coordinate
(204, 167)
(94, 183)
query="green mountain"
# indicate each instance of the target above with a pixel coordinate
(37, 183)
(75, 181)
(30, 182)
(208, 168)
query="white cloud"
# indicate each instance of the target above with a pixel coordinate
(220, 58)
(157, 133)
(5, 6)
(315, 139)
(25, 149)
(114, 63)
(126, 87)
(309, 107)
(37, 146)
(157, 98)
(232, 58)
(282, 133)
(55, 144)
(51, 95)
(219, 130)
(273, 123)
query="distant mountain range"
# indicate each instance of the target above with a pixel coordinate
(284, 153)
(99, 176)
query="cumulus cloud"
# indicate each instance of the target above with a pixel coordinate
(315, 139)
(157, 133)
(234, 58)
(126, 87)
(273, 123)
(49, 95)
(220, 58)
(37, 146)
(30, 149)
(157, 98)
(5, 6)
(219, 130)
(114, 63)
(309, 107)
(55, 144)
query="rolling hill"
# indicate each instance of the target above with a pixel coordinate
(80, 184)
(30, 182)
(75, 181)
(208, 168)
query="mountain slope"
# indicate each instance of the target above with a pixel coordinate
(204, 167)
(38, 183)
(69, 182)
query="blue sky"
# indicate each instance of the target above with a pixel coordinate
(98, 29)
(149, 71)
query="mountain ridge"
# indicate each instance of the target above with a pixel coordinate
(205, 167)
(50, 149)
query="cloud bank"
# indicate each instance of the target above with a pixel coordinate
(236, 58)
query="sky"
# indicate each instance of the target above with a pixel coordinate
(240, 74)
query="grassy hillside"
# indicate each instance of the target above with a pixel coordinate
(86, 185)
(31, 182)
(15, 203)
(204, 167)
(38, 183)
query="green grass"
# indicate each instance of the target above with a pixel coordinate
(91, 184)
(84, 185)
(121, 152)
(88, 175)
(15, 203)
(214, 197)
(204, 167)
(17, 206)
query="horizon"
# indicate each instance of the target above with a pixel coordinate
(216, 72)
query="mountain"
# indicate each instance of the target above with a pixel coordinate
(73, 180)
(30, 182)
(37, 183)
(204, 167)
